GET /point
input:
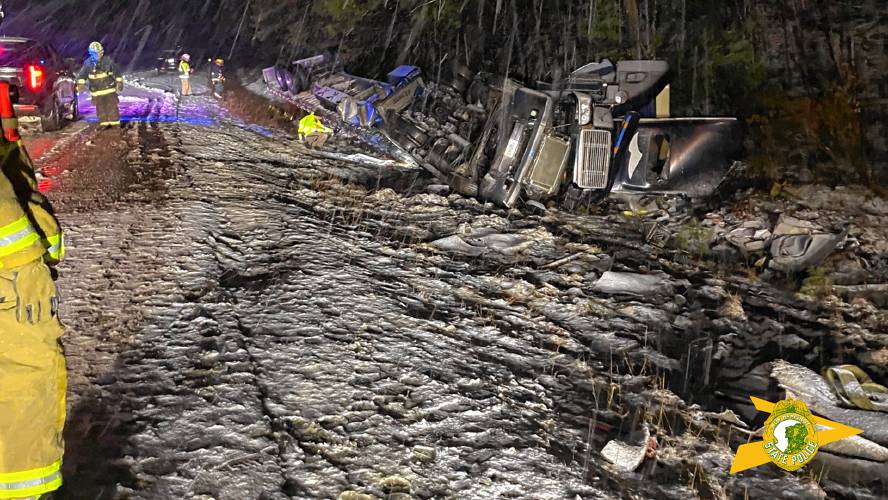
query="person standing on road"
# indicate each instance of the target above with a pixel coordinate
(185, 74)
(32, 364)
(217, 78)
(105, 81)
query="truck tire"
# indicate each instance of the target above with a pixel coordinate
(75, 110)
(51, 117)
(462, 78)
(301, 80)
(477, 93)
(281, 79)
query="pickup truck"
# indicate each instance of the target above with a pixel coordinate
(41, 83)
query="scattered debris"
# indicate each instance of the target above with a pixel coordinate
(629, 457)
(855, 389)
(802, 383)
(641, 285)
(798, 245)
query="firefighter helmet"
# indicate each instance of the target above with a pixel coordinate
(219, 61)
(96, 50)
(186, 57)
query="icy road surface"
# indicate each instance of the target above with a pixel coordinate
(244, 324)
(225, 341)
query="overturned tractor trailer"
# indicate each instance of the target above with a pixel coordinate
(605, 129)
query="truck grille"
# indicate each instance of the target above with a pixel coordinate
(593, 159)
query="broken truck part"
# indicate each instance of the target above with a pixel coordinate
(605, 129)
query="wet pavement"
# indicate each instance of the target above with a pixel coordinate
(248, 318)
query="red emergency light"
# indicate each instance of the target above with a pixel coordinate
(7, 114)
(34, 77)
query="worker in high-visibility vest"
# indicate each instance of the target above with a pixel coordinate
(32, 364)
(105, 81)
(312, 132)
(185, 71)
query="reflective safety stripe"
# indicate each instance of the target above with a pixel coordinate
(119, 79)
(103, 92)
(17, 236)
(81, 81)
(55, 247)
(31, 483)
(110, 123)
(97, 76)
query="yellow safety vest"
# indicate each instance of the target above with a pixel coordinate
(310, 124)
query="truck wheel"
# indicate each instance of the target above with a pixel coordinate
(301, 80)
(51, 119)
(281, 80)
(75, 110)
(477, 93)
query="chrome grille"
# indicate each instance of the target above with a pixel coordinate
(593, 159)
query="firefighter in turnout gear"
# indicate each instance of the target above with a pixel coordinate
(185, 71)
(105, 81)
(32, 363)
(217, 77)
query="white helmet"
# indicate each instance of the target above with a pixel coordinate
(186, 57)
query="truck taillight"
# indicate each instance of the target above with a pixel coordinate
(34, 77)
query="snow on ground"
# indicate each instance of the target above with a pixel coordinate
(244, 324)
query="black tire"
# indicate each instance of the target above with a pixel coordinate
(459, 85)
(464, 72)
(301, 80)
(478, 92)
(51, 119)
(281, 80)
(75, 109)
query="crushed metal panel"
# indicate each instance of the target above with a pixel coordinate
(593, 158)
(548, 167)
(526, 118)
(698, 155)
